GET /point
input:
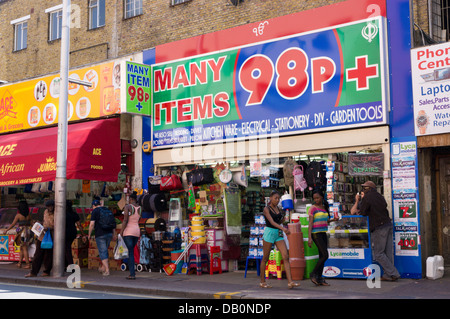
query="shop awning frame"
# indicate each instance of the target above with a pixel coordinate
(93, 153)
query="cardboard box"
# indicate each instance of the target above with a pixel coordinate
(92, 244)
(82, 262)
(115, 264)
(80, 253)
(79, 243)
(94, 263)
(93, 252)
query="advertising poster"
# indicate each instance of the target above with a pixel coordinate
(136, 94)
(366, 164)
(323, 80)
(8, 251)
(430, 68)
(34, 103)
(405, 205)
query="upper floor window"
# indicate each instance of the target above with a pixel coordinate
(55, 25)
(439, 20)
(133, 8)
(20, 33)
(175, 2)
(96, 13)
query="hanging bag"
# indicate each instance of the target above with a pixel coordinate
(120, 250)
(299, 181)
(47, 242)
(170, 183)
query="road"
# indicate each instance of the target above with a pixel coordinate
(14, 291)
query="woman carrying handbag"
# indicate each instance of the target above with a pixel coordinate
(44, 256)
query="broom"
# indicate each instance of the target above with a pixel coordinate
(170, 268)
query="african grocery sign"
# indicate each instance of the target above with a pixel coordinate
(322, 80)
(34, 103)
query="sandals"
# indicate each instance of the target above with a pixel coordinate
(315, 281)
(264, 285)
(293, 284)
(319, 282)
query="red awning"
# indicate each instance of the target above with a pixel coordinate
(93, 153)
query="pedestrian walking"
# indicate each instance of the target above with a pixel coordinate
(44, 256)
(131, 231)
(23, 235)
(319, 217)
(374, 206)
(103, 222)
(273, 234)
(72, 223)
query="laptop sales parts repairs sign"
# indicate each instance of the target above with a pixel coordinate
(328, 79)
(430, 67)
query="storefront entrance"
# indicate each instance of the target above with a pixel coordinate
(444, 205)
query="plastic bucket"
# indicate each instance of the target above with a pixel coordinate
(287, 202)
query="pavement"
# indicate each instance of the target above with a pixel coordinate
(232, 285)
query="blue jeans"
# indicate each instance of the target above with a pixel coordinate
(130, 242)
(103, 244)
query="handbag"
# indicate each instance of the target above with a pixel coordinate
(120, 250)
(47, 242)
(154, 184)
(170, 183)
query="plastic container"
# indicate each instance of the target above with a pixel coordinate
(198, 233)
(435, 267)
(295, 218)
(287, 202)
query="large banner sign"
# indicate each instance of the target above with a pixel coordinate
(323, 80)
(430, 67)
(34, 103)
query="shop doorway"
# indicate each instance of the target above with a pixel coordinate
(444, 203)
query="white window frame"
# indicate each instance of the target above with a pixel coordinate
(436, 19)
(20, 33)
(95, 10)
(55, 12)
(175, 2)
(132, 8)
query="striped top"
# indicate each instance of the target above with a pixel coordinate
(319, 219)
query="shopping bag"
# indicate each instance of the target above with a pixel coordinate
(120, 250)
(47, 242)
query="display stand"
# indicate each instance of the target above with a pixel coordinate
(349, 252)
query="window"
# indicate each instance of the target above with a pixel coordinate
(96, 13)
(20, 33)
(133, 8)
(439, 19)
(55, 25)
(20, 36)
(175, 2)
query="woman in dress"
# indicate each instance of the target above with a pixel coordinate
(24, 235)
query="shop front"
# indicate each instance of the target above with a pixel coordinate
(430, 77)
(100, 159)
(240, 109)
